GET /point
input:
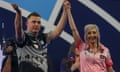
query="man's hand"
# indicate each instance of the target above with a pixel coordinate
(9, 49)
(16, 8)
(66, 5)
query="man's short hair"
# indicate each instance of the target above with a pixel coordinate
(33, 14)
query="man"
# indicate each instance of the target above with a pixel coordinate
(1, 57)
(31, 50)
(10, 63)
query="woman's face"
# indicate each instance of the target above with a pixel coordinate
(92, 35)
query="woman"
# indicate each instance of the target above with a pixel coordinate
(94, 56)
(67, 62)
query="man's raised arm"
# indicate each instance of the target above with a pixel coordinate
(61, 24)
(18, 23)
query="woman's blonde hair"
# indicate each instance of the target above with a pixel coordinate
(89, 27)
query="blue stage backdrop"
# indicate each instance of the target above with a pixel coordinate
(104, 13)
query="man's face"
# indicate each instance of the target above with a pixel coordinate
(33, 24)
(92, 35)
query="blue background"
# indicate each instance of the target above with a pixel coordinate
(44, 7)
(58, 48)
